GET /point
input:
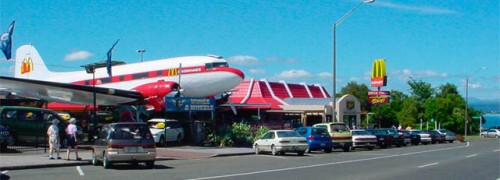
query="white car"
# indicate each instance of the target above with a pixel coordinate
(425, 138)
(363, 139)
(450, 136)
(491, 133)
(281, 141)
(166, 130)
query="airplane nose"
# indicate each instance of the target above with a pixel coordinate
(237, 72)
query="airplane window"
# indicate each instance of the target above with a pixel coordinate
(215, 65)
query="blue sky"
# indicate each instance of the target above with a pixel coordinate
(433, 41)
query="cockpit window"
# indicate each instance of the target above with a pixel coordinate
(216, 65)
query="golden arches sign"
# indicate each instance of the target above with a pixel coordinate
(379, 73)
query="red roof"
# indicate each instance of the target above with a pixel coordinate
(261, 93)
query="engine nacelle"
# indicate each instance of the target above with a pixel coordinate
(155, 92)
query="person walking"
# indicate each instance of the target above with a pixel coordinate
(54, 144)
(71, 138)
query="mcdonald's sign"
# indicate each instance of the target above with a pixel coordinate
(379, 77)
(26, 65)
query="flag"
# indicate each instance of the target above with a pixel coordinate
(6, 41)
(108, 62)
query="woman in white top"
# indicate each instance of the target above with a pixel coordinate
(53, 133)
(72, 141)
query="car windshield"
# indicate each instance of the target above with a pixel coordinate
(339, 128)
(131, 131)
(288, 134)
(381, 132)
(416, 132)
(319, 131)
(359, 133)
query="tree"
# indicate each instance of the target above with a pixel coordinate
(360, 91)
(408, 114)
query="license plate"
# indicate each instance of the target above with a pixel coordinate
(322, 144)
(380, 138)
(132, 149)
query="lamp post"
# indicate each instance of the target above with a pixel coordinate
(467, 97)
(142, 51)
(335, 52)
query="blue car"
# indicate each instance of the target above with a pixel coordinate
(4, 137)
(317, 138)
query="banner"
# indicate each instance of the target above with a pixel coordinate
(379, 97)
(379, 74)
(181, 104)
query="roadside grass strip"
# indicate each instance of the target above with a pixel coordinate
(328, 164)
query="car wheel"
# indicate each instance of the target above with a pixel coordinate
(300, 153)
(150, 164)
(496, 136)
(178, 140)
(328, 150)
(161, 142)
(95, 162)
(370, 148)
(256, 149)
(106, 163)
(482, 135)
(273, 150)
(450, 141)
(308, 150)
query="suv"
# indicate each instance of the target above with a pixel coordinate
(124, 143)
(28, 124)
(166, 130)
(340, 134)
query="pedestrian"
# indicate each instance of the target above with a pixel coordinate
(54, 144)
(400, 127)
(71, 139)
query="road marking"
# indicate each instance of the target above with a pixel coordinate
(471, 155)
(431, 164)
(327, 164)
(279, 157)
(498, 150)
(80, 171)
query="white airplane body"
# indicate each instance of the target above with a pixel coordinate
(201, 76)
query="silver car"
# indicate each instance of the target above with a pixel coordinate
(450, 136)
(363, 139)
(281, 141)
(491, 133)
(425, 138)
(124, 143)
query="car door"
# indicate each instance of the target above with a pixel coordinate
(101, 142)
(266, 146)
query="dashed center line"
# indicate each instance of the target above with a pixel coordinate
(432, 164)
(471, 155)
(80, 171)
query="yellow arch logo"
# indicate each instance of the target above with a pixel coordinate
(379, 76)
(26, 65)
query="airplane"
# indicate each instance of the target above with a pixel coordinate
(149, 81)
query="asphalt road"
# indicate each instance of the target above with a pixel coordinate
(478, 159)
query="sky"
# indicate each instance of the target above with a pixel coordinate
(434, 41)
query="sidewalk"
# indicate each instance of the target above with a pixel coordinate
(39, 159)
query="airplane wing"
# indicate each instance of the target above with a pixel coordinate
(67, 93)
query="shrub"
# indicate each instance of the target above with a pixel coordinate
(260, 132)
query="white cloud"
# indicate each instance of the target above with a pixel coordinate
(475, 85)
(325, 75)
(257, 71)
(280, 59)
(405, 74)
(418, 9)
(243, 60)
(294, 74)
(78, 55)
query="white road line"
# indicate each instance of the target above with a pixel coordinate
(4, 172)
(431, 164)
(80, 171)
(327, 164)
(471, 155)
(498, 150)
(279, 157)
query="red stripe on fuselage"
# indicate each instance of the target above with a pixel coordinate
(160, 73)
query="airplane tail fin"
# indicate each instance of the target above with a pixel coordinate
(29, 64)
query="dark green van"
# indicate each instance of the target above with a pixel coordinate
(28, 125)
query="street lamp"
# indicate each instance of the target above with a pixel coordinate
(142, 51)
(467, 97)
(335, 51)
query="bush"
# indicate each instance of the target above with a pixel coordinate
(242, 134)
(260, 132)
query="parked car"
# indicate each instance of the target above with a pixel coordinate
(4, 137)
(436, 137)
(449, 136)
(397, 140)
(425, 138)
(363, 139)
(317, 138)
(340, 134)
(28, 125)
(491, 133)
(281, 141)
(384, 139)
(413, 139)
(166, 130)
(124, 143)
